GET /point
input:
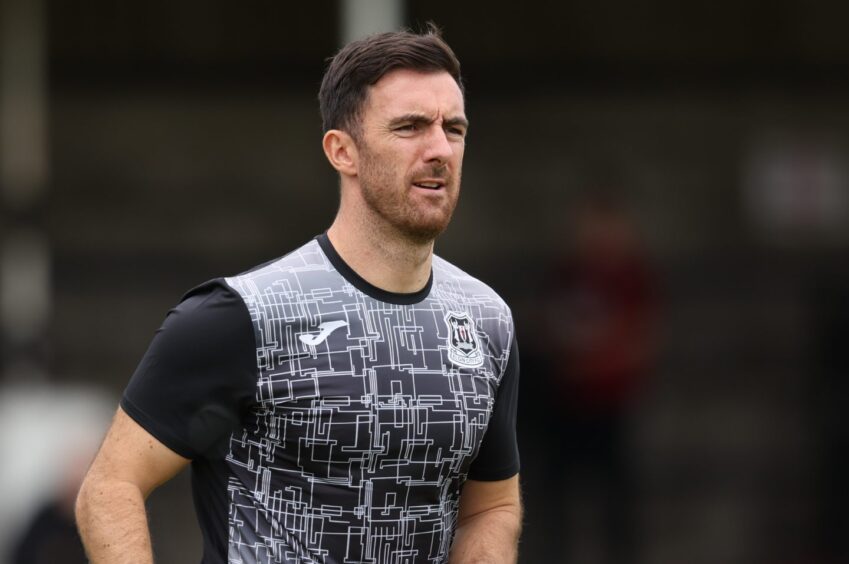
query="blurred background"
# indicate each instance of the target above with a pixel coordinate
(659, 189)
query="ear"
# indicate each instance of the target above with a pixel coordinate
(341, 151)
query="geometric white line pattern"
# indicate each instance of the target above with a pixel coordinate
(359, 444)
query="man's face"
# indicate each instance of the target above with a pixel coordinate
(411, 144)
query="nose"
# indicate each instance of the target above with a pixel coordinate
(437, 146)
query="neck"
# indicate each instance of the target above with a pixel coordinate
(381, 255)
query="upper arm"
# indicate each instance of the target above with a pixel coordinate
(498, 456)
(198, 377)
(480, 496)
(131, 454)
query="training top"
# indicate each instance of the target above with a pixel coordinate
(328, 420)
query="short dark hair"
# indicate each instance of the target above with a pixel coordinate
(361, 63)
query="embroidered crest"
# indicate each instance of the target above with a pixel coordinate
(464, 348)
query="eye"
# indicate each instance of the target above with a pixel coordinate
(457, 132)
(407, 127)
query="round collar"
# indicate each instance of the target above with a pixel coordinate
(367, 287)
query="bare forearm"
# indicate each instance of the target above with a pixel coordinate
(488, 538)
(113, 524)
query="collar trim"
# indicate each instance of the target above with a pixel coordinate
(366, 287)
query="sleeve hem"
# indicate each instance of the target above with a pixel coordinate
(157, 430)
(494, 475)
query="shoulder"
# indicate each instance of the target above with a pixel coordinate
(274, 273)
(221, 304)
(463, 295)
(211, 316)
(209, 295)
(450, 280)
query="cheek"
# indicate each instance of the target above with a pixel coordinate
(459, 151)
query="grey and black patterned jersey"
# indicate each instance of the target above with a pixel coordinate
(328, 420)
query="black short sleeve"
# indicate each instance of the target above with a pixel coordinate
(498, 456)
(199, 374)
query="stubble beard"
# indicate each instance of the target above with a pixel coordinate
(388, 198)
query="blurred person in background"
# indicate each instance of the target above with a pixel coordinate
(599, 321)
(49, 435)
(51, 537)
(334, 402)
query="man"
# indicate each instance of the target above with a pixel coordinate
(335, 403)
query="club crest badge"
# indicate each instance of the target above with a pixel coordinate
(464, 348)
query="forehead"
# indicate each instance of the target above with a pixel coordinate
(406, 91)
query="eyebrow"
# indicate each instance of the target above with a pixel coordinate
(421, 118)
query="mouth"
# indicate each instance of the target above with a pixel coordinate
(430, 184)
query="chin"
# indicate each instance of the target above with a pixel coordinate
(425, 231)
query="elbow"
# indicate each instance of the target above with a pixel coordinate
(512, 517)
(513, 521)
(82, 505)
(92, 499)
